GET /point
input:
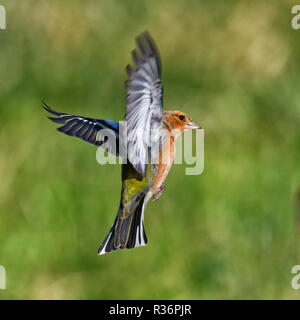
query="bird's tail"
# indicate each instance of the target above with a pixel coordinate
(126, 232)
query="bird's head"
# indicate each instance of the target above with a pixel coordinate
(177, 120)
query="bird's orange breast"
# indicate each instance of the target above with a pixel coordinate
(166, 157)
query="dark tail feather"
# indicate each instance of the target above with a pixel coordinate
(126, 232)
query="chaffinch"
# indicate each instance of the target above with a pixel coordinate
(149, 142)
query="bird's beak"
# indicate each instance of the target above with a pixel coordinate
(192, 125)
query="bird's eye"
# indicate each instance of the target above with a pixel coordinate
(181, 117)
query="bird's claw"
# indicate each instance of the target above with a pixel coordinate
(160, 191)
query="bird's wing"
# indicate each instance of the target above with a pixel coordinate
(104, 133)
(143, 103)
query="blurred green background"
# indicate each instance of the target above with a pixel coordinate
(231, 232)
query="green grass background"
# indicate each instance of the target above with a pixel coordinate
(230, 233)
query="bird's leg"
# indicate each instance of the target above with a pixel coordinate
(160, 191)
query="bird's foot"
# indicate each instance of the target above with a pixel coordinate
(160, 191)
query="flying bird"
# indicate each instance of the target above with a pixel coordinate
(149, 141)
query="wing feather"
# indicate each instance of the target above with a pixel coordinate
(88, 129)
(143, 102)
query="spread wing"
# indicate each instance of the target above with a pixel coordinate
(143, 103)
(104, 133)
